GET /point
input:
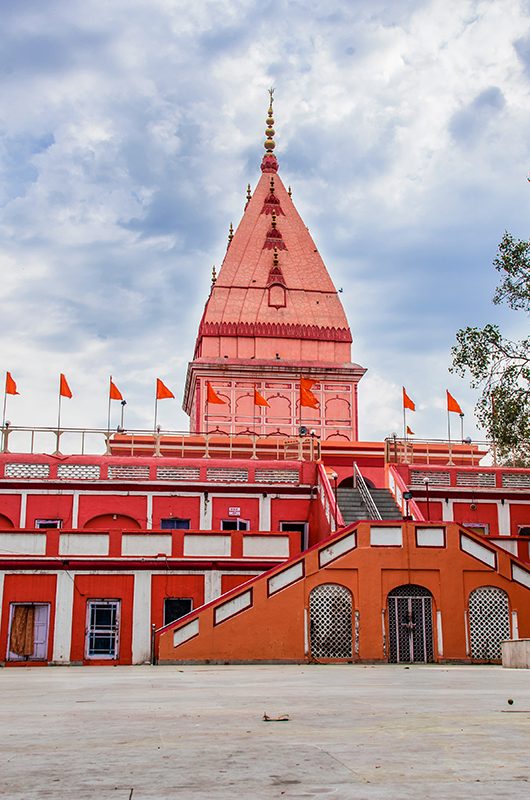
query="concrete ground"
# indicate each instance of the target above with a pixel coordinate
(363, 732)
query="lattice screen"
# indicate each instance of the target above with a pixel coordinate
(330, 619)
(78, 471)
(489, 622)
(21, 470)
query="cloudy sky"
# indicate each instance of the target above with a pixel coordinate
(128, 133)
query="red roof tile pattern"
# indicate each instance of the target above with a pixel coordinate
(239, 304)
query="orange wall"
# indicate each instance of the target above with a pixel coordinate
(231, 581)
(273, 629)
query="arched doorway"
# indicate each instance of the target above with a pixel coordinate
(5, 522)
(489, 622)
(410, 625)
(330, 621)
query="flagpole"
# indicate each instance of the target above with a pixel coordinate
(108, 414)
(449, 437)
(462, 427)
(4, 411)
(404, 423)
(156, 410)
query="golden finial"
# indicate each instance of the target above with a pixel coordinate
(214, 275)
(275, 257)
(273, 219)
(269, 131)
(249, 193)
(230, 233)
(290, 192)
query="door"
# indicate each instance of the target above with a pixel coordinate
(28, 632)
(330, 621)
(410, 625)
(103, 629)
(489, 622)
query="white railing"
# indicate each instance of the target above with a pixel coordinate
(366, 497)
(99, 441)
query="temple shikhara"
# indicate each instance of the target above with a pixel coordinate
(270, 531)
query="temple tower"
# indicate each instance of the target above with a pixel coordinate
(273, 317)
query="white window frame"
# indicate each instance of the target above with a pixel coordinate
(45, 524)
(88, 630)
(237, 520)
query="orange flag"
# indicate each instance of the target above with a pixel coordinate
(114, 392)
(162, 392)
(259, 400)
(64, 389)
(307, 398)
(11, 387)
(407, 402)
(212, 396)
(410, 433)
(452, 405)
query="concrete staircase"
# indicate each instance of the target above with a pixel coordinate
(353, 508)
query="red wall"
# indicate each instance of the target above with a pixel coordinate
(95, 505)
(49, 506)
(102, 587)
(519, 515)
(435, 510)
(10, 508)
(184, 507)
(27, 589)
(174, 586)
(249, 510)
(294, 510)
(106, 522)
(484, 512)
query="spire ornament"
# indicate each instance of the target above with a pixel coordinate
(214, 276)
(269, 162)
(269, 131)
(230, 234)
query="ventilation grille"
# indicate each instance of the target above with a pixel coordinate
(178, 473)
(228, 474)
(27, 470)
(128, 472)
(84, 472)
(475, 479)
(330, 614)
(435, 478)
(489, 622)
(277, 476)
(516, 480)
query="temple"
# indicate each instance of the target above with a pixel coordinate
(269, 532)
(273, 316)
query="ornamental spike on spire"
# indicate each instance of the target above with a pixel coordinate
(269, 132)
(269, 162)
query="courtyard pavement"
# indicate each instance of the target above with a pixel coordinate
(197, 733)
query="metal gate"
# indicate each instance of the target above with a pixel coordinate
(330, 621)
(410, 625)
(489, 622)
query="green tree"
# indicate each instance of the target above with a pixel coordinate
(501, 367)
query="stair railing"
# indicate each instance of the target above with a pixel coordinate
(366, 497)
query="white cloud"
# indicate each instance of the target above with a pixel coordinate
(129, 133)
